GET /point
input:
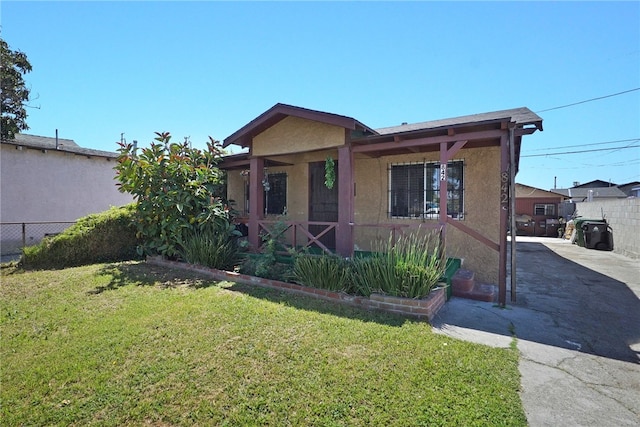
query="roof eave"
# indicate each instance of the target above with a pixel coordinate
(278, 112)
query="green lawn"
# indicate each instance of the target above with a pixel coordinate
(133, 344)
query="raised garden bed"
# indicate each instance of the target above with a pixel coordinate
(425, 308)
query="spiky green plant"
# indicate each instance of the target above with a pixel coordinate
(214, 247)
(324, 272)
(410, 267)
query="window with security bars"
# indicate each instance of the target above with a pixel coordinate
(544, 209)
(414, 190)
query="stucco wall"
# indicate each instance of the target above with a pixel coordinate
(623, 215)
(481, 205)
(296, 135)
(54, 186)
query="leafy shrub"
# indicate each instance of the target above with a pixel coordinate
(104, 237)
(266, 263)
(265, 266)
(409, 268)
(177, 189)
(324, 272)
(215, 247)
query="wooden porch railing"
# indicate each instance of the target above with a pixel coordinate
(288, 232)
(277, 230)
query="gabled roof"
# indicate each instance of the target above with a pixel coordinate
(406, 138)
(49, 143)
(629, 187)
(278, 112)
(598, 183)
(524, 191)
(36, 141)
(520, 116)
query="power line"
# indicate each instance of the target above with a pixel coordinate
(580, 151)
(589, 100)
(588, 145)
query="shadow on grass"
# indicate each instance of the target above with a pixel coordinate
(143, 274)
(309, 303)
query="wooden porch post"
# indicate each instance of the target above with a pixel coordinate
(504, 217)
(344, 232)
(444, 159)
(256, 200)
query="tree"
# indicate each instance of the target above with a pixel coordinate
(14, 92)
(175, 189)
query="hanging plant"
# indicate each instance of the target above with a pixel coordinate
(329, 173)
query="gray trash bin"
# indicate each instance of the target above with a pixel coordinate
(597, 235)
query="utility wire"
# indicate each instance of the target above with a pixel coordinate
(588, 100)
(588, 145)
(581, 151)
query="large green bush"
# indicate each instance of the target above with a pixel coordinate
(177, 189)
(104, 237)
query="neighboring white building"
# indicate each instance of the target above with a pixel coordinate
(45, 180)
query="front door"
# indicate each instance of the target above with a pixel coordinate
(323, 203)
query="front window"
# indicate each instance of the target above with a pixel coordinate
(414, 190)
(544, 209)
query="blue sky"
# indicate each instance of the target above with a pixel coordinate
(207, 68)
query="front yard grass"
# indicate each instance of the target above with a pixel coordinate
(132, 344)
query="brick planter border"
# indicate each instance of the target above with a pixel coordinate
(425, 308)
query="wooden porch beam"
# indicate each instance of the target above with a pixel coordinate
(344, 233)
(473, 233)
(524, 131)
(504, 217)
(256, 200)
(443, 183)
(432, 140)
(451, 152)
(234, 164)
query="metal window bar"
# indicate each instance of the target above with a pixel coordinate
(414, 189)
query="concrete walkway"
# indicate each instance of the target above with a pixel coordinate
(577, 324)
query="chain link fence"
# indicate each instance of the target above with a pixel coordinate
(16, 235)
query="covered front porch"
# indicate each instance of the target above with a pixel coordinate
(359, 208)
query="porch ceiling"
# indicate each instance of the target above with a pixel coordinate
(241, 161)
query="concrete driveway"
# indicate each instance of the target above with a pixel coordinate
(577, 324)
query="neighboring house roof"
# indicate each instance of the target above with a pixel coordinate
(630, 188)
(49, 143)
(581, 194)
(526, 191)
(520, 116)
(278, 112)
(598, 183)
